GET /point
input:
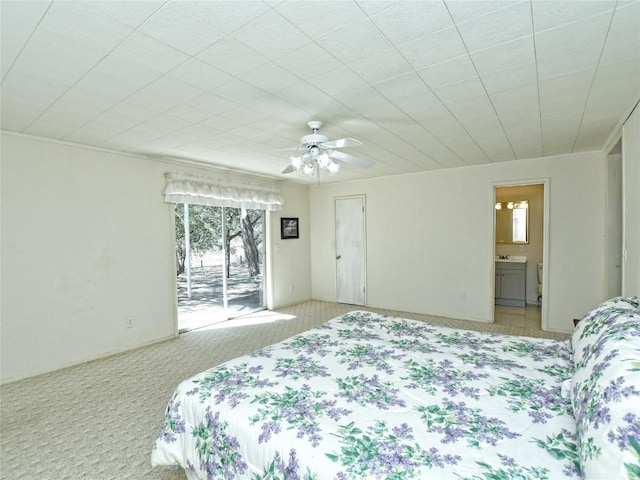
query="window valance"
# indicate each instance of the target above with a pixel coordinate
(200, 190)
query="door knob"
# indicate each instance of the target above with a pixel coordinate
(338, 257)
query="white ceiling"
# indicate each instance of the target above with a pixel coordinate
(424, 84)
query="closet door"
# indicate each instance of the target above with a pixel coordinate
(350, 250)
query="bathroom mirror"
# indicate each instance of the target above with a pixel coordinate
(512, 222)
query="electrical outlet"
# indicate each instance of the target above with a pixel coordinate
(290, 288)
(128, 322)
(463, 296)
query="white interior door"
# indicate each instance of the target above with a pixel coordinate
(350, 251)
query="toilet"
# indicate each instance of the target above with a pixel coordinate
(539, 282)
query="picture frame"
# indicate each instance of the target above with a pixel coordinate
(289, 228)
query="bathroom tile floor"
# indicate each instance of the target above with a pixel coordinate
(527, 317)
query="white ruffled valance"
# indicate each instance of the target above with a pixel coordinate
(185, 188)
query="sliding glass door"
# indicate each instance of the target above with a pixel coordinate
(220, 263)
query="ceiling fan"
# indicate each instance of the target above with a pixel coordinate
(319, 152)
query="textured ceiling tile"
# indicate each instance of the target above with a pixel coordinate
(504, 56)
(337, 81)
(225, 15)
(193, 133)
(309, 61)
(409, 93)
(351, 43)
(576, 46)
(381, 66)
(304, 96)
(64, 108)
(94, 132)
(449, 72)
(468, 151)
(371, 7)
(520, 75)
(174, 88)
(232, 57)
(271, 35)
(459, 94)
(319, 19)
(17, 23)
(38, 91)
(527, 143)
(513, 97)
(85, 25)
(406, 21)
(184, 32)
(369, 103)
(118, 120)
(342, 68)
(132, 111)
(166, 119)
(90, 98)
(152, 101)
(463, 11)
(126, 12)
(566, 86)
(48, 53)
(433, 48)
(52, 129)
(128, 72)
(142, 49)
(109, 87)
(550, 14)
(211, 103)
(623, 40)
(591, 134)
(500, 26)
(239, 92)
(601, 91)
(515, 114)
(199, 74)
(270, 77)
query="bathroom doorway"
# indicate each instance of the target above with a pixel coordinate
(520, 243)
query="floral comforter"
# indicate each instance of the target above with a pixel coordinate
(376, 397)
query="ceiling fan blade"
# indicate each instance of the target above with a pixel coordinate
(289, 169)
(286, 149)
(342, 143)
(345, 157)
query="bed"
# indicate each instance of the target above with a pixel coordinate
(378, 397)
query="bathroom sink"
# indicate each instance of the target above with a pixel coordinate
(512, 259)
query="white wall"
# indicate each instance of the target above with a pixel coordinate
(631, 203)
(87, 241)
(290, 259)
(429, 237)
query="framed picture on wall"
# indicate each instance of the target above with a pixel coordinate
(289, 228)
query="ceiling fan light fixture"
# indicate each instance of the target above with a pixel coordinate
(324, 160)
(296, 162)
(308, 169)
(333, 167)
(322, 153)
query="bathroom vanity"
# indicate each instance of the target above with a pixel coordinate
(511, 281)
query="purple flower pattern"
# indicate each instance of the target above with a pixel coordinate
(605, 389)
(321, 387)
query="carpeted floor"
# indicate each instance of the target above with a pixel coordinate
(99, 420)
